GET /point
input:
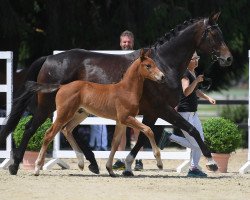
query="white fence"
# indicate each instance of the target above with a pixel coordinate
(246, 166)
(7, 88)
(58, 154)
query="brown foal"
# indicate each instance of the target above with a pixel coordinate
(120, 102)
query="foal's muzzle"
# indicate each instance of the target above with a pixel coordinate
(160, 77)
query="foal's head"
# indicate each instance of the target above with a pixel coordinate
(148, 68)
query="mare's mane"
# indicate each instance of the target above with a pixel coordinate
(174, 32)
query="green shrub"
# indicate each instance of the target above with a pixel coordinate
(221, 135)
(36, 141)
(239, 115)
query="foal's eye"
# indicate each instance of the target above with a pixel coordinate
(148, 66)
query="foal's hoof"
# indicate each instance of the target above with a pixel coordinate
(160, 167)
(111, 173)
(94, 169)
(81, 166)
(36, 173)
(13, 169)
(127, 173)
(212, 167)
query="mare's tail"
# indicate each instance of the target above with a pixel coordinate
(22, 99)
(33, 86)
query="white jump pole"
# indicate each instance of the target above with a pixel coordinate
(246, 167)
(7, 88)
(59, 154)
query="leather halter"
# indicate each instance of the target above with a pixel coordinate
(214, 53)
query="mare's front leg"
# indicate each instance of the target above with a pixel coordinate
(134, 123)
(177, 120)
(119, 130)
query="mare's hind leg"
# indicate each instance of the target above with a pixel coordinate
(119, 129)
(134, 123)
(30, 129)
(49, 136)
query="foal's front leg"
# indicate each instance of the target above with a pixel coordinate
(119, 130)
(148, 120)
(134, 123)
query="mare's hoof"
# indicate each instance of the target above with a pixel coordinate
(212, 167)
(13, 169)
(127, 173)
(94, 169)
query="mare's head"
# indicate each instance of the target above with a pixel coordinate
(148, 68)
(211, 41)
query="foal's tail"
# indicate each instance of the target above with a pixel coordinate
(22, 99)
(33, 86)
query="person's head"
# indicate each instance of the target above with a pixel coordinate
(194, 61)
(127, 40)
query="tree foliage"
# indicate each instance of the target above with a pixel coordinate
(34, 28)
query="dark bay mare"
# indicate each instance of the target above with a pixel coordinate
(171, 53)
(117, 101)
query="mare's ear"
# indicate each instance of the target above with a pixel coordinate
(214, 18)
(148, 53)
(142, 54)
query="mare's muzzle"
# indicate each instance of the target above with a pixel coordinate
(225, 61)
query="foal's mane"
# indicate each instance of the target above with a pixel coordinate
(174, 32)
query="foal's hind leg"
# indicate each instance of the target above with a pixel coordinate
(49, 136)
(67, 131)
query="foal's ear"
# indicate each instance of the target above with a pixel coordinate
(142, 54)
(148, 52)
(214, 18)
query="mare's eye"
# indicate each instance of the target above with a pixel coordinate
(148, 66)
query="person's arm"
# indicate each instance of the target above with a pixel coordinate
(189, 88)
(204, 96)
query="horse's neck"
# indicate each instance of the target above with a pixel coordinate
(178, 52)
(133, 80)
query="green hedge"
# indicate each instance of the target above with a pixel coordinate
(36, 141)
(238, 114)
(221, 135)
